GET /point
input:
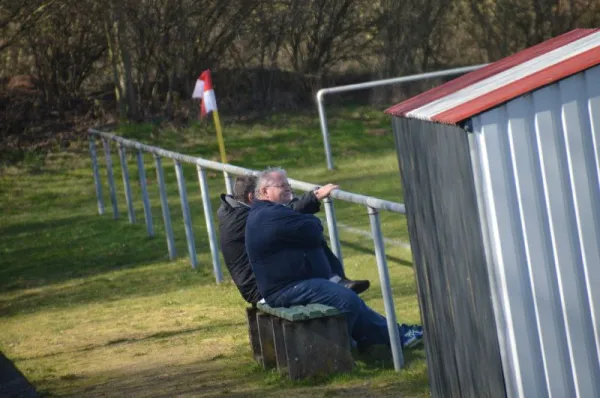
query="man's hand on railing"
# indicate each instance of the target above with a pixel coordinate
(324, 191)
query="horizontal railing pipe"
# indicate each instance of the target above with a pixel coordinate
(174, 155)
(396, 80)
(375, 83)
(375, 203)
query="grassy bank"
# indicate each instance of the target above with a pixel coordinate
(90, 306)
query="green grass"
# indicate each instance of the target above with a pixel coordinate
(90, 306)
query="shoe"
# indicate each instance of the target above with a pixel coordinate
(413, 336)
(357, 286)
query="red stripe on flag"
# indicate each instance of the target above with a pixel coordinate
(206, 78)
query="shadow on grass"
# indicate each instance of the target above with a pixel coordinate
(105, 290)
(377, 362)
(369, 250)
(237, 375)
(37, 254)
(77, 251)
(154, 336)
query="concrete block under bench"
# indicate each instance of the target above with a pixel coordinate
(301, 341)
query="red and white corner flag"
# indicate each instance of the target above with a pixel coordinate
(204, 90)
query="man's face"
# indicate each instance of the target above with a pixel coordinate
(278, 190)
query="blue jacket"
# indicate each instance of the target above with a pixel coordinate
(232, 217)
(284, 247)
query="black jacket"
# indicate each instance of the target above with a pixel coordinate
(232, 217)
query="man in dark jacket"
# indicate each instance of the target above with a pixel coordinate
(285, 250)
(232, 215)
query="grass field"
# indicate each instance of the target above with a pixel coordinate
(90, 306)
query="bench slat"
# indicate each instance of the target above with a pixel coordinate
(311, 312)
(324, 309)
(299, 312)
(291, 314)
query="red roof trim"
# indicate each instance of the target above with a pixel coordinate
(470, 78)
(519, 87)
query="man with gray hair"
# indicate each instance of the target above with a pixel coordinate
(291, 268)
(232, 215)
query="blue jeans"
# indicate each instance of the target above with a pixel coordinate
(365, 326)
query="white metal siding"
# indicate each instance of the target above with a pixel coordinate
(537, 164)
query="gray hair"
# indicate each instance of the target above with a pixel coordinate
(265, 178)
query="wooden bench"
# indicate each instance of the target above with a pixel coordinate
(301, 341)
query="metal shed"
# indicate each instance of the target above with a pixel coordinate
(501, 174)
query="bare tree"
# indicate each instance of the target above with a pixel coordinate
(322, 34)
(412, 36)
(504, 27)
(65, 53)
(119, 49)
(173, 40)
(18, 17)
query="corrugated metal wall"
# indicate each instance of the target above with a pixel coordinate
(463, 354)
(536, 161)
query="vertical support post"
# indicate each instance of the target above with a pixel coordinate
(251, 313)
(111, 179)
(386, 289)
(146, 200)
(334, 237)
(125, 172)
(96, 175)
(165, 208)
(187, 219)
(267, 340)
(228, 183)
(212, 237)
(324, 130)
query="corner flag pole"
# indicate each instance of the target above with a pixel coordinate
(228, 184)
(219, 136)
(204, 90)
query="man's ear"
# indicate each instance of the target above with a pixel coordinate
(250, 197)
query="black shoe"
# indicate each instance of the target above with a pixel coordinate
(357, 286)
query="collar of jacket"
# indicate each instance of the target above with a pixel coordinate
(234, 203)
(259, 202)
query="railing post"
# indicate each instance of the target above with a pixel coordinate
(228, 183)
(324, 130)
(187, 219)
(212, 237)
(145, 199)
(377, 83)
(386, 289)
(125, 172)
(111, 179)
(334, 237)
(165, 208)
(96, 175)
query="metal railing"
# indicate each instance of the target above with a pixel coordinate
(373, 205)
(376, 83)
